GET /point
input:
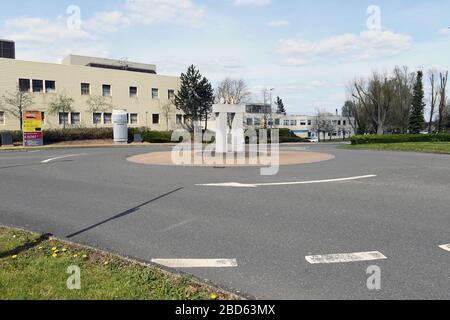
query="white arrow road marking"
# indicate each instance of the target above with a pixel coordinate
(445, 247)
(197, 263)
(61, 157)
(255, 185)
(345, 257)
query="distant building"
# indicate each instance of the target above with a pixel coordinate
(135, 87)
(332, 126)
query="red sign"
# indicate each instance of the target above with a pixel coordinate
(34, 139)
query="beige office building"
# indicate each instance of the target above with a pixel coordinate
(134, 87)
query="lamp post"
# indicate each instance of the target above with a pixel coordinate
(271, 104)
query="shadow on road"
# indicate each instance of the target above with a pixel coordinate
(123, 214)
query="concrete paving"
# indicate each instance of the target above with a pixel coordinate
(96, 197)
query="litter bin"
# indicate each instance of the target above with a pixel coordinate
(6, 139)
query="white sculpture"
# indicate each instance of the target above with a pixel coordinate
(236, 114)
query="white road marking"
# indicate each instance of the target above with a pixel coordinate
(61, 157)
(445, 247)
(345, 257)
(255, 185)
(178, 225)
(197, 263)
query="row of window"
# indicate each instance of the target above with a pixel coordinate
(37, 86)
(289, 123)
(74, 118)
(49, 86)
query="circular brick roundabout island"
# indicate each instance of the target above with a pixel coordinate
(191, 159)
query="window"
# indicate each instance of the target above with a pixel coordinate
(43, 117)
(106, 90)
(133, 118)
(277, 122)
(171, 94)
(85, 89)
(179, 118)
(38, 86)
(2, 117)
(257, 122)
(303, 123)
(249, 121)
(107, 118)
(50, 86)
(155, 93)
(133, 92)
(339, 122)
(75, 118)
(24, 85)
(344, 122)
(293, 122)
(155, 119)
(97, 118)
(63, 118)
(309, 122)
(286, 122)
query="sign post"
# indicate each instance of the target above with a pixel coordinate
(32, 129)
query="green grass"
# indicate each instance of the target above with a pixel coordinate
(426, 147)
(30, 270)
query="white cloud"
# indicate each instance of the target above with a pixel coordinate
(37, 30)
(110, 21)
(259, 3)
(161, 11)
(366, 45)
(279, 23)
(445, 31)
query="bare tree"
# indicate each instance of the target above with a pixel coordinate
(166, 109)
(98, 104)
(233, 91)
(61, 104)
(434, 97)
(16, 103)
(376, 97)
(443, 100)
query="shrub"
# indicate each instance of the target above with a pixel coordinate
(157, 136)
(400, 138)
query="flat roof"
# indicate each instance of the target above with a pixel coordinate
(117, 64)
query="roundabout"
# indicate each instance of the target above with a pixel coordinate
(192, 159)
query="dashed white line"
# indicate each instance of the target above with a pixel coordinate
(196, 263)
(445, 247)
(61, 157)
(255, 185)
(345, 257)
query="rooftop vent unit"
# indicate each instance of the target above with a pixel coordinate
(7, 49)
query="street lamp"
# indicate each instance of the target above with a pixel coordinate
(271, 104)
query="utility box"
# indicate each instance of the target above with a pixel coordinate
(120, 126)
(6, 139)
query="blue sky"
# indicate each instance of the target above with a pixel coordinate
(308, 51)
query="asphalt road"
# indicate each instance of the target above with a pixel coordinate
(96, 197)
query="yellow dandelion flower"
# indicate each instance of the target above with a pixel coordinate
(85, 256)
(54, 255)
(64, 250)
(75, 256)
(213, 297)
(54, 248)
(106, 263)
(14, 256)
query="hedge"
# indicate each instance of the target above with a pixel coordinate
(157, 136)
(400, 138)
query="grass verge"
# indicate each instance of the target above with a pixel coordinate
(426, 147)
(34, 267)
